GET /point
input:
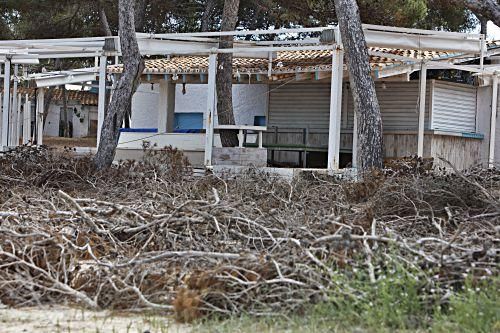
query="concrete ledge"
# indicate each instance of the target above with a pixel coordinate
(247, 157)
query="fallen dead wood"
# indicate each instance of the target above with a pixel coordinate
(143, 235)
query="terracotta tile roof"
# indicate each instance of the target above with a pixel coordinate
(84, 97)
(286, 62)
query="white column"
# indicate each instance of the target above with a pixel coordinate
(335, 109)
(493, 124)
(19, 119)
(14, 141)
(27, 121)
(6, 104)
(162, 108)
(39, 116)
(211, 105)
(355, 141)
(101, 106)
(421, 113)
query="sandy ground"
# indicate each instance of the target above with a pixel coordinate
(66, 320)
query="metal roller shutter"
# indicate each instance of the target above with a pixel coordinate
(398, 105)
(454, 107)
(300, 105)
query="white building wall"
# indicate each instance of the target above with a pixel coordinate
(145, 106)
(248, 100)
(483, 122)
(80, 129)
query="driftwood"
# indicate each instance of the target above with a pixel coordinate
(146, 235)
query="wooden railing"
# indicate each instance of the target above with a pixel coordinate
(243, 131)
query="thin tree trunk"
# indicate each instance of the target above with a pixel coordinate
(370, 138)
(225, 75)
(133, 66)
(484, 25)
(65, 120)
(139, 15)
(49, 95)
(103, 20)
(206, 18)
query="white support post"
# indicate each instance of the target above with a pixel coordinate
(335, 108)
(27, 121)
(355, 141)
(421, 113)
(39, 116)
(241, 138)
(19, 119)
(260, 139)
(101, 104)
(13, 112)
(493, 124)
(211, 105)
(163, 107)
(6, 104)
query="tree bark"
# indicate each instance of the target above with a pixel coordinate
(225, 75)
(133, 66)
(103, 20)
(208, 12)
(65, 120)
(139, 15)
(488, 9)
(49, 95)
(370, 138)
(484, 25)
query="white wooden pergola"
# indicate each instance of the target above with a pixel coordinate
(462, 47)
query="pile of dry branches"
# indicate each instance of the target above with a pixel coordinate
(152, 235)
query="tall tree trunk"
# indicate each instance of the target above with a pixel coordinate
(103, 19)
(225, 74)
(370, 137)
(140, 15)
(208, 12)
(133, 66)
(488, 9)
(49, 95)
(65, 120)
(484, 25)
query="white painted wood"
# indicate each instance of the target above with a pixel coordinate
(14, 120)
(242, 127)
(260, 139)
(6, 105)
(335, 110)
(211, 108)
(19, 123)
(163, 100)
(27, 121)
(355, 142)
(39, 116)
(241, 138)
(421, 113)
(101, 106)
(493, 122)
